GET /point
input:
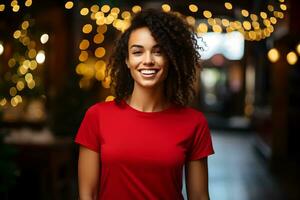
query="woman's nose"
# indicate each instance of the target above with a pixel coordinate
(148, 59)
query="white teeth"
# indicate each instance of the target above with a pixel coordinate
(148, 71)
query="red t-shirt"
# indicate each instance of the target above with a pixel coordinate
(142, 153)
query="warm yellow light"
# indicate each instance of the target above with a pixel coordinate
(102, 29)
(40, 57)
(33, 65)
(292, 58)
(252, 35)
(136, 9)
(14, 3)
(109, 98)
(245, 13)
(2, 7)
(99, 15)
(23, 69)
(31, 84)
(166, 7)
(69, 5)
(98, 38)
(115, 10)
(18, 98)
(1, 48)
(126, 15)
(44, 38)
(211, 21)
(28, 3)
(12, 91)
(267, 22)
(84, 44)
(83, 56)
(99, 52)
(263, 15)
(94, 8)
(270, 28)
(87, 28)
(31, 54)
(3, 102)
(270, 8)
(207, 14)
(253, 17)
(11, 62)
(14, 102)
(16, 8)
(298, 48)
(202, 28)
(109, 19)
(28, 77)
(193, 8)
(26, 63)
(17, 34)
(273, 55)
(190, 20)
(84, 11)
(225, 22)
(105, 8)
(273, 20)
(255, 25)
(20, 85)
(100, 74)
(217, 28)
(283, 7)
(282, 1)
(228, 5)
(247, 25)
(280, 15)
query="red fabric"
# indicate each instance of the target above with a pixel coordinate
(142, 154)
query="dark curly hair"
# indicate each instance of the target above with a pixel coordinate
(177, 40)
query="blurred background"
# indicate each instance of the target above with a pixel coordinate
(53, 54)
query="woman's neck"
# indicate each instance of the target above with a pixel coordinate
(147, 100)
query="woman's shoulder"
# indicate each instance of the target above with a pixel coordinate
(101, 106)
(192, 113)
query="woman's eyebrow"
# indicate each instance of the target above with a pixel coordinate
(136, 45)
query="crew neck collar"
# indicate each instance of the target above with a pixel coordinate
(134, 110)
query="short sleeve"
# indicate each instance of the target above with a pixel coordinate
(88, 132)
(202, 143)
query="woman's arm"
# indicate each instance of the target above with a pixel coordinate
(196, 174)
(88, 174)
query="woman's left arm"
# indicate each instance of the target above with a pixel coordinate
(196, 173)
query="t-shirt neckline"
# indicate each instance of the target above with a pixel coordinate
(134, 110)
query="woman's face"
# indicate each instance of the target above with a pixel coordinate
(147, 62)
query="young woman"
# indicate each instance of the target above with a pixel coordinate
(136, 146)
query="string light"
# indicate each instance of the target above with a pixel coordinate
(273, 55)
(254, 27)
(1, 48)
(2, 7)
(69, 5)
(193, 8)
(166, 7)
(298, 49)
(292, 58)
(40, 57)
(44, 38)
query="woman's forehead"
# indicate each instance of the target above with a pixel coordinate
(141, 37)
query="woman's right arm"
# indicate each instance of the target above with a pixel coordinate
(88, 174)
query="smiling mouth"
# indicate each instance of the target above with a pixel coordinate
(148, 71)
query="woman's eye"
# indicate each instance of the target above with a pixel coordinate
(136, 52)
